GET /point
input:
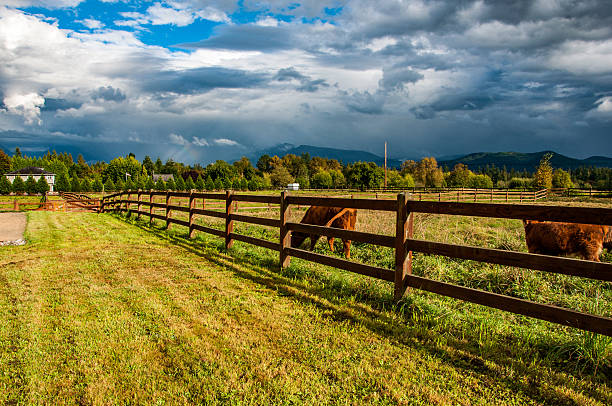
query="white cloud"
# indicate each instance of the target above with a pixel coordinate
(91, 24)
(225, 142)
(603, 110)
(26, 105)
(172, 13)
(200, 142)
(583, 57)
(177, 139)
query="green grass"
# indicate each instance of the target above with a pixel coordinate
(97, 310)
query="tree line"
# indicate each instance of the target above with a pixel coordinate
(128, 173)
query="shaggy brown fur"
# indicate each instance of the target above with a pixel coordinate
(320, 216)
(551, 238)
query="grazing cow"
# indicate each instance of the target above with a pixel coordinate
(552, 238)
(336, 217)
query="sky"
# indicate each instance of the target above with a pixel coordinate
(197, 80)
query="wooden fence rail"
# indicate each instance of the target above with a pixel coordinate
(402, 242)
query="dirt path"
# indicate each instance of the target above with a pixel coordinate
(12, 226)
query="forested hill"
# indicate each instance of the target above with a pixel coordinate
(344, 156)
(521, 161)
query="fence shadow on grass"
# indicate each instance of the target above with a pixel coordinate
(412, 327)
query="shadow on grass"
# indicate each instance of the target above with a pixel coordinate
(405, 322)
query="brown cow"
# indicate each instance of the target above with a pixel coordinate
(551, 238)
(336, 217)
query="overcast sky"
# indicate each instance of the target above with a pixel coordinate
(202, 80)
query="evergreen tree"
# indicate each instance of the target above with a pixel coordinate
(75, 184)
(42, 186)
(30, 186)
(140, 183)
(97, 185)
(210, 185)
(160, 185)
(86, 185)
(5, 186)
(236, 184)
(199, 184)
(119, 185)
(189, 185)
(227, 183)
(244, 184)
(170, 185)
(219, 184)
(5, 162)
(18, 185)
(62, 184)
(129, 185)
(180, 184)
(149, 185)
(109, 185)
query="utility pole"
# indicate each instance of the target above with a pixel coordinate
(385, 165)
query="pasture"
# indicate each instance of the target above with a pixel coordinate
(97, 309)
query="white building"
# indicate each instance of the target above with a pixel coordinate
(35, 173)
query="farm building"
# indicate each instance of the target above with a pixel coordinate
(35, 173)
(164, 176)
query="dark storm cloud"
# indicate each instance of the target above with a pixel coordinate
(306, 83)
(52, 104)
(246, 38)
(395, 78)
(202, 80)
(364, 102)
(108, 93)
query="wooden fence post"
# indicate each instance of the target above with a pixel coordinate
(403, 259)
(150, 207)
(285, 235)
(191, 214)
(128, 205)
(15, 205)
(168, 211)
(475, 194)
(229, 223)
(138, 206)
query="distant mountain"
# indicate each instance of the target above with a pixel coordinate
(343, 155)
(520, 161)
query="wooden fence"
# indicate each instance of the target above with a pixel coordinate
(52, 205)
(402, 242)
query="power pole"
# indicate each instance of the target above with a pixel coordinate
(385, 165)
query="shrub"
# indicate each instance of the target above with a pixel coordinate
(62, 184)
(149, 185)
(160, 185)
(199, 184)
(5, 185)
(75, 184)
(109, 185)
(18, 185)
(322, 180)
(180, 184)
(97, 185)
(42, 186)
(210, 185)
(520, 183)
(480, 181)
(189, 185)
(30, 186)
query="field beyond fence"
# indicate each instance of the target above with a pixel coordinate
(224, 206)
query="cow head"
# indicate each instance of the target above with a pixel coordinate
(297, 239)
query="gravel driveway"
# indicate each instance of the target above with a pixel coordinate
(12, 226)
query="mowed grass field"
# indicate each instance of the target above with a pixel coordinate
(99, 310)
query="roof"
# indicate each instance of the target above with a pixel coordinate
(30, 170)
(165, 176)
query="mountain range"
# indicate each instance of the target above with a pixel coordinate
(511, 160)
